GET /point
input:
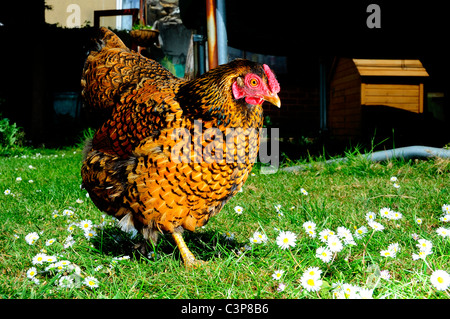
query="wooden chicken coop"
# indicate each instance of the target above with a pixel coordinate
(362, 90)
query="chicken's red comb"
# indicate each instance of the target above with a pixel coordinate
(274, 86)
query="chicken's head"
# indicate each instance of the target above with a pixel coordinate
(256, 89)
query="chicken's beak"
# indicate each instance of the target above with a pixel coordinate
(274, 99)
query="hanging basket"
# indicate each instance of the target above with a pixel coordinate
(144, 38)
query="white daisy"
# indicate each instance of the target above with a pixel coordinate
(32, 272)
(286, 239)
(89, 233)
(440, 279)
(309, 225)
(239, 210)
(345, 291)
(346, 236)
(396, 215)
(324, 254)
(311, 233)
(370, 216)
(60, 265)
(360, 232)
(445, 218)
(313, 272)
(258, 238)
(228, 236)
(419, 221)
(303, 191)
(324, 234)
(343, 232)
(334, 244)
(387, 253)
(384, 274)
(396, 185)
(421, 255)
(424, 245)
(395, 247)
(68, 212)
(350, 291)
(31, 238)
(444, 232)
(365, 293)
(39, 259)
(393, 179)
(152, 255)
(71, 227)
(100, 267)
(376, 226)
(69, 241)
(311, 283)
(7, 192)
(125, 257)
(50, 259)
(50, 241)
(91, 282)
(66, 282)
(337, 285)
(85, 224)
(281, 287)
(446, 208)
(385, 212)
(35, 280)
(278, 210)
(277, 274)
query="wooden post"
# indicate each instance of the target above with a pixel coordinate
(212, 33)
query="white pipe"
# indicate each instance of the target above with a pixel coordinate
(222, 41)
(405, 153)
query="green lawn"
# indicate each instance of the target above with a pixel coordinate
(48, 199)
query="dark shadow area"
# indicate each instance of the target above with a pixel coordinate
(204, 245)
(399, 128)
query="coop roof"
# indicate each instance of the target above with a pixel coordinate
(375, 67)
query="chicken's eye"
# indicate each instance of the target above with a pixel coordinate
(254, 82)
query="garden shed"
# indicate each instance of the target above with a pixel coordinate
(362, 89)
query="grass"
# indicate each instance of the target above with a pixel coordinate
(338, 195)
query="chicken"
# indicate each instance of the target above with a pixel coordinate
(171, 152)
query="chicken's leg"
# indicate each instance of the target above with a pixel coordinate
(189, 259)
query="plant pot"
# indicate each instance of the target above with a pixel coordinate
(144, 38)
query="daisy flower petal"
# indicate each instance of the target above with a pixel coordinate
(324, 254)
(440, 279)
(91, 282)
(277, 274)
(286, 239)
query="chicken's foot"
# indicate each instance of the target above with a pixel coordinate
(189, 259)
